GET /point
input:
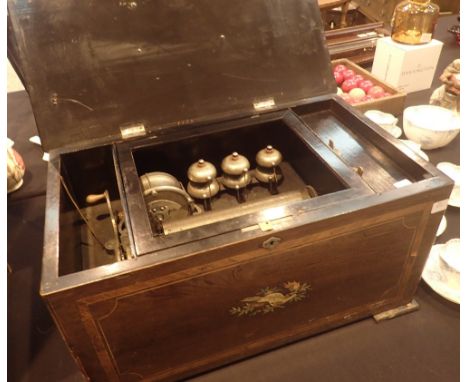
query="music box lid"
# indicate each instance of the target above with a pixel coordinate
(98, 71)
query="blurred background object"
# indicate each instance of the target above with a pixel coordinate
(455, 30)
(14, 84)
(352, 28)
(448, 94)
(15, 168)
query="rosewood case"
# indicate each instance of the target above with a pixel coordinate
(120, 89)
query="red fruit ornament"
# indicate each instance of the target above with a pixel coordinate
(367, 98)
(358, 78)
(339, 68)
(338, 77)
(348, 85)
(348, 74)
(376, 92)
(366, 85)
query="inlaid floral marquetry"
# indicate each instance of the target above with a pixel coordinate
(270, 299)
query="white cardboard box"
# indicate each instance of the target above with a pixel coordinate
(409, 68)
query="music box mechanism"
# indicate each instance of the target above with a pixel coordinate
(209, 198)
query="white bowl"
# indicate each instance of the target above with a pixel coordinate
(430, 126)
(386, 121)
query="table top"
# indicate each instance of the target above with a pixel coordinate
(421, 346)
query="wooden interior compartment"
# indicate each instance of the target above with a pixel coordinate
(307, 161)
(303, 163)
(83, 173)
(382, 162)
(393, 104)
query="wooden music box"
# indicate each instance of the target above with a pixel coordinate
(208, 196)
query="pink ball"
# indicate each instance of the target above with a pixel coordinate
(348, 85)
(348, 74)
(376, 92)
(358, 78)
(340, 68)
(366, 85)
(338, 77)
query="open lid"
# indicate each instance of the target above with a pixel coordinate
(91, 67)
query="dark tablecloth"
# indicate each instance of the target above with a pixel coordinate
(421, 346)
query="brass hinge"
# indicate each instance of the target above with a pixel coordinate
(132, 130)
(266, 104)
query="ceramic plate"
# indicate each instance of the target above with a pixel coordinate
(416, 148)
(453, 171)
(451, 255)
(454, 201)
(395, 131)
(443, 279)
(442, 226)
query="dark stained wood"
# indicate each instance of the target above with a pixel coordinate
(204, 82)
(317, 165)
(161, 62)
(188, 309)
(353, 270)
(172, 270)
(328, 129)
(167, 314)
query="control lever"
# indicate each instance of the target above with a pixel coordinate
(94, 198)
